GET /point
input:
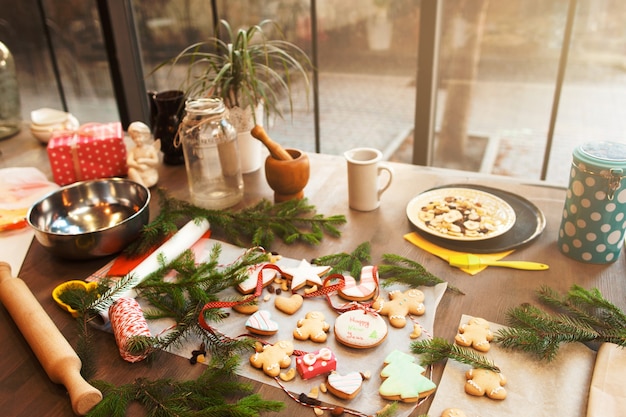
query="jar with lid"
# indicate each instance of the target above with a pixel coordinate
(211, 154)
(594, 215)
(10, 108)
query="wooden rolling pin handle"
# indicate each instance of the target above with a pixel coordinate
(53, 351)
(277, 151)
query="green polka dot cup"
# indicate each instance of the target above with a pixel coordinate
(594, 216)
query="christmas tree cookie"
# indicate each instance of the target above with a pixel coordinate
(404, 379)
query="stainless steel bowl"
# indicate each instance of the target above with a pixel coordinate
(90, 219)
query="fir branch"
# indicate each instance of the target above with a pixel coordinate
(581, 316)
(400, 269)
(438, 349)
(258, 225)
(352, 262)
(205, 396)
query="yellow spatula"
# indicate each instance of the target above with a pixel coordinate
(473, 261)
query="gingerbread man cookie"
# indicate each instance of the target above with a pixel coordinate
(401, 304)
(272, 358)
(485, 382)
(475, 333)
(313, 327)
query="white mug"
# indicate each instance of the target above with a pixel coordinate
(364, 174)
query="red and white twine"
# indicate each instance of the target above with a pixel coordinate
(127, 320)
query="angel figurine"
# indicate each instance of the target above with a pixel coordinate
(143, 159)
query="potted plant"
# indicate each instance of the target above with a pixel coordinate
(250, 71)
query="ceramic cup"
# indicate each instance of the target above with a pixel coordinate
(365, 172)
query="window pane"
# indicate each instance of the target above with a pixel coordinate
(79, 52)
(498, 72)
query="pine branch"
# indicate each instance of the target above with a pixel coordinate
(438, 349)
(353, 262)
(581, 316)
(205, 396)
(400, 269)
(258, 225)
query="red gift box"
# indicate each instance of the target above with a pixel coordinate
(95, 150)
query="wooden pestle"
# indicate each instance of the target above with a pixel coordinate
(277, 151)
(53, 351)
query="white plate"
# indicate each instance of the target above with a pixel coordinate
(496, 216)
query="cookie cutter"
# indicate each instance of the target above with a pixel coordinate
(74, 285)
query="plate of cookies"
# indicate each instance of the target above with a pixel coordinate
(461, 214)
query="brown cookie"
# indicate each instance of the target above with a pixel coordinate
(289, 305)
(273, 358)
(344, 386)
(399, 305)
(312, 327)
(485, 382)
(475, 333)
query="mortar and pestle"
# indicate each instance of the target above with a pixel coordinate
(286, 170)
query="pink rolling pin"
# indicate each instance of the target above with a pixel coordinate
(53, 351)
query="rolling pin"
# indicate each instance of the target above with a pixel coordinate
(53, 351)
(277, 151)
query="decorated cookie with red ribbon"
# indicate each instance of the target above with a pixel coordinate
(249, 284)
(317, 363)
(304, 274)
(360, 329)
(362, 290)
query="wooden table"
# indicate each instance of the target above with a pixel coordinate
(25, 390)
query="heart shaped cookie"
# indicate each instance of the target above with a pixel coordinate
(261, 323)
(344, 386)
(288, 305)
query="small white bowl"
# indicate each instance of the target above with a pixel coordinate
(43, 132)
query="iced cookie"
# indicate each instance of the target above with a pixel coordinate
(261, 323)
(399, 305)
(317, 363)
(288, 305)
(485, 382)
(403, 379)
(273, 358)
(475, 333)
(312, 327)
(249, 284)
(305, 273)
(344, 386)
(363, 290)
(360, 329)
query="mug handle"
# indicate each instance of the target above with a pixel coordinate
(381, 168)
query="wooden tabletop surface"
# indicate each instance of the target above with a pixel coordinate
(25, 390)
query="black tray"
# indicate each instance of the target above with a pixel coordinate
(529, 224)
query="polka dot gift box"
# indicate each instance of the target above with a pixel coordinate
(594, 216)
(95, 150)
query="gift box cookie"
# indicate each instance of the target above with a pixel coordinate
(95, 150)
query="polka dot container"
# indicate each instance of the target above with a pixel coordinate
(594, 215)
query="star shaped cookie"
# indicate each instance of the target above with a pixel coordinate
(305, 273)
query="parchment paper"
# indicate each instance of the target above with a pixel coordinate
(534, 388)
(348, 359)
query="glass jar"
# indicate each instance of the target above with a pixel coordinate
(594, 215)
(10, 109)
(211, 154)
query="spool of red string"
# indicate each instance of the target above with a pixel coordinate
(127, 320)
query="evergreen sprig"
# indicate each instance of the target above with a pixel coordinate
(579, 316)
(438, 349)
(257, 225)
(352, 262)
(207, 395)
(407, 271)
(182, 300)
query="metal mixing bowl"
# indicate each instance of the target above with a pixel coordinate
(90, 219)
